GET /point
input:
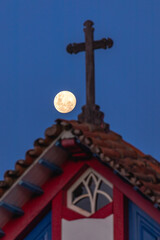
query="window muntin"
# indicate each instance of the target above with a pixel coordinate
(89, 193)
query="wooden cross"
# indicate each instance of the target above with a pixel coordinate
(89, 46)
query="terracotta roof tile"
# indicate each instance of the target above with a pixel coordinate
(109, 152)
(21, 166)
(10, 176)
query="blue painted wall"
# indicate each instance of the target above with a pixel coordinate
(142, 226)
(42, 231)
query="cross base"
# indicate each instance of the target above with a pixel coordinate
(91, 114)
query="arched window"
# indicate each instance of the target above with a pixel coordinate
(89, 193)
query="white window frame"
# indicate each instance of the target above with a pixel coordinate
(90, 173)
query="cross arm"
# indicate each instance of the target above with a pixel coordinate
(103, 43)
(80, 47)
(75, 48)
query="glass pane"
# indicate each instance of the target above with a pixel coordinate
(105, 188)
(91, 185)
(84, 203)
(80, 190)
(101, 201)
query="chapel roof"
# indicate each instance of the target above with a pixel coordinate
(134, 167)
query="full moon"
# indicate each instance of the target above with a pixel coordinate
(64, 101)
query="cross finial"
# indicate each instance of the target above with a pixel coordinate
(90, 112)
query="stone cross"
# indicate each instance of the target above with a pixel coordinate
(90, 113)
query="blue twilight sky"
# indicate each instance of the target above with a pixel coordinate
(34, 67)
